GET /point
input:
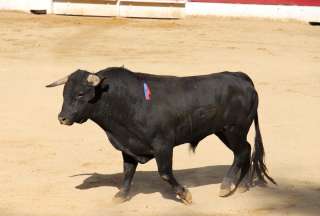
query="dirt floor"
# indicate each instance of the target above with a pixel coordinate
(48, 169)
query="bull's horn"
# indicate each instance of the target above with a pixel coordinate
(93, 80)
(58, 82)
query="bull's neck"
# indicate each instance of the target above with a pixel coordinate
(100, 115)
(97, 117)
(113, 109)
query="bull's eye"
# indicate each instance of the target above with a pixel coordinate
(80, 95)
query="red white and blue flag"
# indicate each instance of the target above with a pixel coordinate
(147, 92)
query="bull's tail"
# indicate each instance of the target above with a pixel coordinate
(259, 169)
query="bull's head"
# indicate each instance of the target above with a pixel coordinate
(79, 94)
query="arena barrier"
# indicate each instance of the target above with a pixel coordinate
(305, 10)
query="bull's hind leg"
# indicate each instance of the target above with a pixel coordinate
(129, 168)
(241, 151)
(245, 183)
(164, 162)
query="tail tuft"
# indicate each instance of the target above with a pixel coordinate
(259, 169)
(193, 146)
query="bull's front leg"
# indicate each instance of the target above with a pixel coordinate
(129, 168)
(163, 156)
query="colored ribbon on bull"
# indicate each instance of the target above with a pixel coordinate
(147, 91)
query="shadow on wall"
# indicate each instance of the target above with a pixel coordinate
(150, 182)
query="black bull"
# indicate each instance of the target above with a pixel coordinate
(146, 116)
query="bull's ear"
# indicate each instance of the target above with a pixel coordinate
(102, 87)
(58, 82)
(93, 80)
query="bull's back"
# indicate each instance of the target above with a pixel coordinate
(219, 89)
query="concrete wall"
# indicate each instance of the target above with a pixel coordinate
(21, 5)
(305, 13)
(108, 9)
(26, 5)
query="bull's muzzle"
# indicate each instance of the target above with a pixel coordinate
(64, 121)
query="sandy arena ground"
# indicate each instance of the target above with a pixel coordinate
(50, 170)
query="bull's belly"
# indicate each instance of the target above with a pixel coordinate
(132, 146)
(198, 124)
(195, 135)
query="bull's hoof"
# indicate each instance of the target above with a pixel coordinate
(225, 187)
(120, 197)
(185, 197)
(224, 192)
(118, 200)
(242, 188)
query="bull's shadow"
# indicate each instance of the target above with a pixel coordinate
(150, 182)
